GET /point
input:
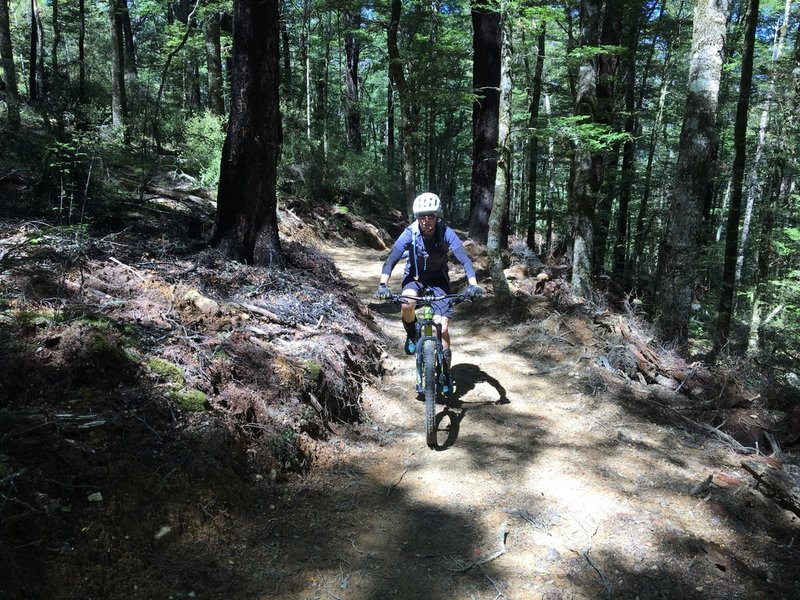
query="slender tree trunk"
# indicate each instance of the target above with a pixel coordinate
(216, 103)
(753, 187)
(587, 166)
(607, 67)
(130, 48)
(9, 72)
(533, 120)
(57, 78)
(642, 230)
(189, 20)
(547, 200)
(307, 85)
(81, 51)
(352, 48)
(287, 88)
(486, 42)
(619, 253)
(725, 312)
(35, 75)
(766, 256)
(247, 221)
(322, 89)
(55, 44)
(499, 214)
(677, 265)
(407, 126)
(389, 125)
(192, 83)
(119, 107)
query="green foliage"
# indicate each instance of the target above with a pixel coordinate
(283, 447)
(579, 132)
(29, 319)
(204, 137)
(583, 54)
(167, 371)
(340, 176)
(191, 400)
(314, 369)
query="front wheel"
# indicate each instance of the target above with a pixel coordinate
(429, 385)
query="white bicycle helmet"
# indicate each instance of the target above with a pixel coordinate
(427, 202)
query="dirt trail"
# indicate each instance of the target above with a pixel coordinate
(546, 487)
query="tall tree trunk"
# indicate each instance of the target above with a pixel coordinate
(320, 116)
(766, 256)
(533, 120)
(36, 91)
(187, 17)
(725, 311)
(642, 229)
(287, 89)
(620, 250)
(352, 48)
(407, 127)
(587, 166)
(547, 200)
(130, 48)
(389, 125)
(677, 264)
(211, 33)
(247, 221)
(192, 84)
(57, 79)
(499, 214)
(486, 42)
(753, 188)
(607, 66)
(81, 51)
(119, 107)
(55, 44)
(9, 72)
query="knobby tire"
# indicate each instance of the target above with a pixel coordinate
(429, 382)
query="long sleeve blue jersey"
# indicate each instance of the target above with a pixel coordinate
(428, 259)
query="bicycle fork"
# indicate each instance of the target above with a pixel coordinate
(427, 329)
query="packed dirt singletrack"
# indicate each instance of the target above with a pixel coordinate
(306, 473)
(544, 484)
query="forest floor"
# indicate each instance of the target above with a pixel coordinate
(551, 479)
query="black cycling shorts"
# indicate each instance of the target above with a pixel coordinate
(439, 287)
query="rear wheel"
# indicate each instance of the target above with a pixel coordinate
(429, 385)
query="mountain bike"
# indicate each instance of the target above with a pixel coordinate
(429, 353)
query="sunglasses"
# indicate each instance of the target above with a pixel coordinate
(426, 217)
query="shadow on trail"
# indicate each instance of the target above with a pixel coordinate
(387, 309)
(452, 427)
(467, 376)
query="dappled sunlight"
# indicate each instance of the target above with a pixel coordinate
(542, 484)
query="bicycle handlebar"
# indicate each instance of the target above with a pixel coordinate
(426, 299)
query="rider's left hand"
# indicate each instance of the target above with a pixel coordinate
(473, 291)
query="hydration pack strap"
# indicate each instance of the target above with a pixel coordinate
(414, 234)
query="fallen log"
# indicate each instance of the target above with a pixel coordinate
(776, 484)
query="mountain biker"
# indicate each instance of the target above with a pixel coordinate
(428, 242)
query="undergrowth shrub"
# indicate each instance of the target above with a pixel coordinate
(204, 136)
(358, 180)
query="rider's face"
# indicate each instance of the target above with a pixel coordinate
(427, 223)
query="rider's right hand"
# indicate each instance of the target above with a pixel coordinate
(383, 292)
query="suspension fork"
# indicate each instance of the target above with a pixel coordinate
(427, 329)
